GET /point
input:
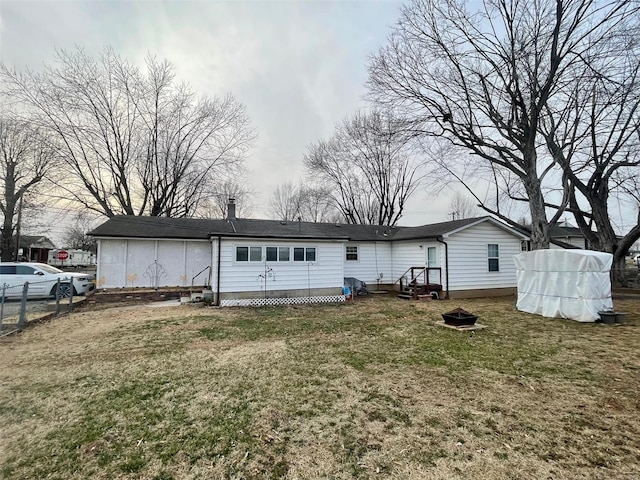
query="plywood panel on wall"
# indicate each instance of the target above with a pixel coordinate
(142, 268)
(111, 264)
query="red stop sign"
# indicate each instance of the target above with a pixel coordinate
(62, 255)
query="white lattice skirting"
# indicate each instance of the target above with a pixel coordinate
(261, 302)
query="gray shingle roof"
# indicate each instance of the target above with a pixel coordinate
(193, 228)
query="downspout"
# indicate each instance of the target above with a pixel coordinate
(446, 264)
(217, 303)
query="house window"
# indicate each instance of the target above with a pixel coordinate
(301, 254)
(248, 254)
(432, 259)
(255, 254)
(310, 254)
(524, 246)
(352, 253)
(272, 254)
(494, 257)
(277, 254)
(242, 254)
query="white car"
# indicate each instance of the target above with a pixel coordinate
(43, 280)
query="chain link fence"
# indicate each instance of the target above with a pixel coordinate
(30, 301)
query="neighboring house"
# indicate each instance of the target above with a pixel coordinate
(568, 234)
(246, 259)
(563, 235)
(35, 248)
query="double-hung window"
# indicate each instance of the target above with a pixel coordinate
(352, 253)
(493, 256)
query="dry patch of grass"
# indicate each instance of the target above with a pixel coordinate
(363, 390)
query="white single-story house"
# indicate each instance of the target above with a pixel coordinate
(245, 261)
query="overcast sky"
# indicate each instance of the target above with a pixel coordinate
(299, 67)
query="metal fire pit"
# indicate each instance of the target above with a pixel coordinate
(459, 318)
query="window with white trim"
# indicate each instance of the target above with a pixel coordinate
(283, 254)
(242, 254)
(277, 254)
(248, 254)
(304, 254)
(255, 254)
(352, 253)
(493, 256)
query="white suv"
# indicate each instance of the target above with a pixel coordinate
(42, 279)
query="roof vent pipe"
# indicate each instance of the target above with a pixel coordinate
(231, 209)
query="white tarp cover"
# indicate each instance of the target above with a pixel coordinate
(571, 284)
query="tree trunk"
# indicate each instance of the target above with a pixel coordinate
(7, 243)
(539, 222)
(6, 238)
(619, 269)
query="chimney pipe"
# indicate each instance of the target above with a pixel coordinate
(231, 209)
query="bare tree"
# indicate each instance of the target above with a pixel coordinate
(76, 234)
(216, 203)
(285, 202)
(26, 159)
(134, 142)
(462, 206)
(316, 205)
(368, 166)
(600, 162)
(307, 203)
(484, 80)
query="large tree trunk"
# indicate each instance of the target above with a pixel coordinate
(619, 269)
(6, 239)
(6, 236)
(539, 222)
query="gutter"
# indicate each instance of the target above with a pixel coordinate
(217, 302)
(446, 263)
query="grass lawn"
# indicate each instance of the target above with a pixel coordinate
(369, 389)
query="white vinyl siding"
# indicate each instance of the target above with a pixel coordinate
(324, 268)
(374, 262)
(468, 258)
(415, 254)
